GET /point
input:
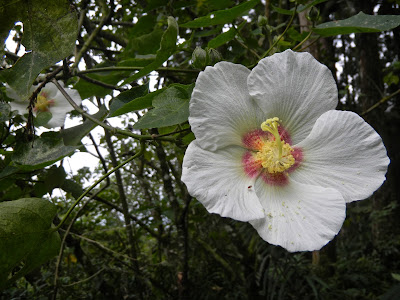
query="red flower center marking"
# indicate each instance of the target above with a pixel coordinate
(262, 147)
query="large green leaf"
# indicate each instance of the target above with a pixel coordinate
(170, 107)
(358, 23)
(145, 44)
(144, 25)
(44, 151)
(72, 136)
(5, 110)
(167, 48)
(222, 16)
(26, 235)
(50, 30)
(126, 97)
(300, 8)
(225, 37)
(137, 104)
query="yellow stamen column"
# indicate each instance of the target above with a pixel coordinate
(275, 155)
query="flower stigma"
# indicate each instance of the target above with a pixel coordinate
(275, 155)
(42, 104)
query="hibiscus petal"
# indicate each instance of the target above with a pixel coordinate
(294, 87)
(61, 107)
(299, 217)
(345, 153)
(221, 109)
(51, 90)
(218, 181)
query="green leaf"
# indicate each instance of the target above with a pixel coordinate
(5, 110)
(50, 30)
(143, 26)
(44, 251)
(222, 16)
(300, 8)
(26, 235)
(145, 44)
(170, 107)
(44, 151)
(204, 33)
(225, 37)
(187, 139)
(54, 178)
(128, 96)
(167, 48)
(358, 24)
(42, 118)
(87, 89)
(391, 78)
(396, 276)
(72, 136)
(137, 104)
(72, 187)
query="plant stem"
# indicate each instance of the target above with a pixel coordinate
(383, 100)
(161, 69)
(283, 33)
(303, 41)
(91, 37)
(141, 151)
(113, 130)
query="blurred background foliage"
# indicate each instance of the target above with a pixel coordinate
(140, 235)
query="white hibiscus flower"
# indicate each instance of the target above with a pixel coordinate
(270, 149)
(49, 99)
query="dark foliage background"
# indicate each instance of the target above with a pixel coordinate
(141, 235)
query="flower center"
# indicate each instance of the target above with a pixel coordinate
(42, 104)
(275, 155)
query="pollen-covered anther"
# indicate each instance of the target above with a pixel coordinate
(275, 155)
(42, 104)
(272, 161)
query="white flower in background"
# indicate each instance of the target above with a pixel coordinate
(49, 99)
(270, 149)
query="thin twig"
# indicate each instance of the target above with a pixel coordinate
(303, 41)
(86, 279)
(91, 38)
(60, 254)
(110, 251)
(161, 69)
(383, 100)
(100, 83)
(283, 33)
(243, 44)
(141, 151)
(113, 130)
(310, 44)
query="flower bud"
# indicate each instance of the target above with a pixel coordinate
(313, 14)
(262, 20)
(199, 58)
(213, 56)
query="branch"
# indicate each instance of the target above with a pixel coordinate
(161, 69)
(383, 100)
(100, 83)
(107, 127)
(283, 33)
(123, 201)
(141, 151)
(87, 43)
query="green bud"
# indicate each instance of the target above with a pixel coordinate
(213, 56)
(262, 20)
(199, 58)
(313, 14)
